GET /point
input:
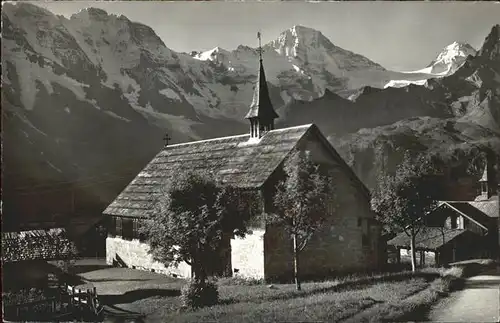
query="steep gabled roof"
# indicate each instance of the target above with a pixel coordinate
(237, 160)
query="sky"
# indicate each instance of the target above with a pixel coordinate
(398, 35)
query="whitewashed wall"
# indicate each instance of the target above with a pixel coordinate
(135, 255)
(247, 255)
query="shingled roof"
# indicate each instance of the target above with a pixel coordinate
(488, 207)
(429, 238)
(49, 244)
(237, 160)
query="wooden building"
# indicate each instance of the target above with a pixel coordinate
(349, 241)
(459, 230)
(25, 255)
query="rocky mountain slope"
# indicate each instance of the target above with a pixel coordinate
(86, 101)
(471, 98)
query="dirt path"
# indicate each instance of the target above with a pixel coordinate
(479, 301)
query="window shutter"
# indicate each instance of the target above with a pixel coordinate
(135, 231)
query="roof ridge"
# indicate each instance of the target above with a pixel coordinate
(204, 140)
(235, 136)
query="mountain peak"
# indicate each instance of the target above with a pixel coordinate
(450, 58)
(97, 14)
(491, 45)
(302, 34)
(299, 39)
(212, 54)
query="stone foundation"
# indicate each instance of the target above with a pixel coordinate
(134, 254)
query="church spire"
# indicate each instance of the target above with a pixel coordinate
(261, 113)
(488, 179)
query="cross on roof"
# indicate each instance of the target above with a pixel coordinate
(166, 138)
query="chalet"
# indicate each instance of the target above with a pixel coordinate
(348, 242)
(459, 230)
(25, 255)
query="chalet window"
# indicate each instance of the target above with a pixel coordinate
(453, 222)
(118, 231)
(128, 229)
(137, 230)
(112, 226)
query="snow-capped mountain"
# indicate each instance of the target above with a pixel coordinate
(92, 96)
(301, 61)
(450, 59)
(113, 52)
(447, 62)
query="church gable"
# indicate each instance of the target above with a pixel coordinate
(322, 152)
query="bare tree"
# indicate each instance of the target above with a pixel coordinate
(402, 200)
(301, 202)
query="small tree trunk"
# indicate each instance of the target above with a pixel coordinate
(296, 263)
(413, 252)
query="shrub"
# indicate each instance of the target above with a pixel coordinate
(199, 294)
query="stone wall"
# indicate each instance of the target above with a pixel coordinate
(134, 254)
(247, 255)
(338, 246)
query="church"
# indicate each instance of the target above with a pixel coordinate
(350, 241)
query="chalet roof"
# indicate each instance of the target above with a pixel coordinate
(236, 160)
(428, 238)
(480, 209)
(48, 244)
(488, 207)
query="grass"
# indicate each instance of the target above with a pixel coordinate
(415, 306)
(361, 298)
(317, 302)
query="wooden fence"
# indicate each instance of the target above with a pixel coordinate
(70, 301)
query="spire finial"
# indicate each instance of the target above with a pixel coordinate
(260, 45)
